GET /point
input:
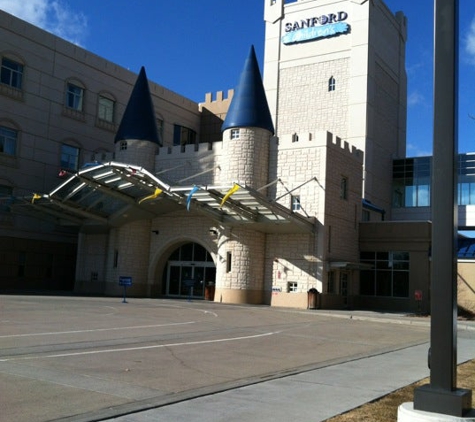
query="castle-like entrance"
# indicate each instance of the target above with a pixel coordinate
(190, 269)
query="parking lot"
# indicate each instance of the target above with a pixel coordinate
(75, 357)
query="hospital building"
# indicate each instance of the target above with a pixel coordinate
(291, 189)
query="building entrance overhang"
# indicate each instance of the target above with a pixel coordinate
(101, 196)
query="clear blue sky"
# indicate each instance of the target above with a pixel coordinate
(193, 47)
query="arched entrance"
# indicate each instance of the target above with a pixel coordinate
(190, 268)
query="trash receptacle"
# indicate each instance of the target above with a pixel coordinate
(312, 298)
(209, 291)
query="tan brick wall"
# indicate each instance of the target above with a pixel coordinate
(306, 104)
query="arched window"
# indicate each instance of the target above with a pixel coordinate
(331, 84)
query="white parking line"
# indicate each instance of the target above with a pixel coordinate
(55, 333)
(129, 349)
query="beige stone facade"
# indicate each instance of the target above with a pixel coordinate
(338, 106)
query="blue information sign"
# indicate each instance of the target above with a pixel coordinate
(125, 281)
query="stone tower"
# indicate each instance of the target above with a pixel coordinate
(136, 142)
(137, 139)
(247, 131)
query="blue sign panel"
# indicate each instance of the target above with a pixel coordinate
(189, 282)
(308, 34)
(125, 281)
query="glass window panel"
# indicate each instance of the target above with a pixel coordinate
(400, 284)
(106, 109)
(200, 253)
(400, 256)
(423, 196)
(187, 252)
(69, 157)
(367, 283)
(11, 73)
(383, 283)
(74, 97)
(410, 196)
(8, 140)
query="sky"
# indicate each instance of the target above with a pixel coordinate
(194, 47)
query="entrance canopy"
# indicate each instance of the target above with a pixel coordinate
(106, 195)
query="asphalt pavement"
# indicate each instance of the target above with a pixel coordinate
(319, 394)
(74, 359)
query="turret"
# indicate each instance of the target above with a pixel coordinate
(247, 129)
(137, 139)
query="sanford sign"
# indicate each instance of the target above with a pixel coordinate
(316, 27)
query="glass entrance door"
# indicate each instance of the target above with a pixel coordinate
(188, 280)
(190, 269)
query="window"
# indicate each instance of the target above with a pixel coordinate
(366, 215)
(74, 97)
(123, 145)
(411, 182)
(331, 84)
(292, 286)
(466, 179)
(69, 157)
(5, 192)
(105, 109)
(331, 282)
(21, 264)
(8, 140)
(183, 136)
(235, 133)
(11, 73)
(228, 262)
(160, 129)
(295, 202)
(344, 188)
(389, 275)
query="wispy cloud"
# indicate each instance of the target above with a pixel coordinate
(413, 150)
(415, 98)
(51, 15)
(469, 43)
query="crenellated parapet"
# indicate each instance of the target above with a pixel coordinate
(302, 140)
(219, 104)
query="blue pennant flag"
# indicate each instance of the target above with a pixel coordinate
(188, 200)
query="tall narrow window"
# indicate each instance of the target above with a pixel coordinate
(21, 263)
(11, 73)
(331, 84)
(69, 157)
(160, 129)
(6, 197)
(74, 97)
(116, 258)
(105, 109)
(344, 188)
(228, 262)
(295, 202)
(8, 140)
(183, 136)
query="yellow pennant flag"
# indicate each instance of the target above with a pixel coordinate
(35, 197)
(152, 196)
(235, 188)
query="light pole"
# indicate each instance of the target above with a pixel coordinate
(442, 395)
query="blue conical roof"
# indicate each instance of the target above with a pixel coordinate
(138, 121)
(249, 106)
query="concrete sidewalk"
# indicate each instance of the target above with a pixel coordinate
(315, 395)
